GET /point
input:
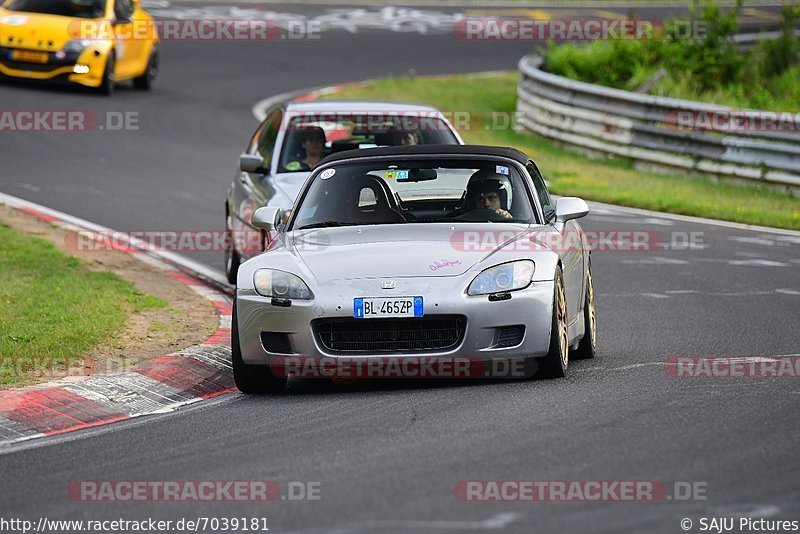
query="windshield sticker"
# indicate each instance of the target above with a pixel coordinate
(396, 175)
(501, 170)
(307, 213)
(327, 173)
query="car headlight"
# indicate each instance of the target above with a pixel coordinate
(280, 284)
(76, 46)
(506, 277)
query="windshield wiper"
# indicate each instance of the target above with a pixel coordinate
(324, 224)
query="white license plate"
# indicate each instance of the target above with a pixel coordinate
(367, 307)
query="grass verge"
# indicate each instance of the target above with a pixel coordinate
(53, 309)
(491, 98)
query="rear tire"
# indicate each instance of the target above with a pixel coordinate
(145, 81)
(587, 347)
(107, 85)
(251, 378)
(555, 364)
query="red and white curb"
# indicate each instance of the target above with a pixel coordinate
(155, 386)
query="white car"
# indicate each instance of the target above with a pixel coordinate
(277, 160)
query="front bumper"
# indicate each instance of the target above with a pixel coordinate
(531, 307)
(61, 69)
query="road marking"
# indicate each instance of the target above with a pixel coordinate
(787, 291)
(724, 359)
(30, 187)
(754, 240)
(656, 260)
(692, 219)
(759, 263)
(745, 510)
(350, 19)
(495, 522)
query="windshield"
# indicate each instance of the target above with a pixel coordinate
(415, 191)
(87, 9)
(312, 136)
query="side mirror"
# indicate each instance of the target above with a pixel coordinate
(122, 19)
(266, 218)
(251, 163)
(568, 208)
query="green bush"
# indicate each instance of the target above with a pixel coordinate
(710, 59)
(780, 55)
(706, 67)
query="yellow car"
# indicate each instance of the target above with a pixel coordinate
(94, 43)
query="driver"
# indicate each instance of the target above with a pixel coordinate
(485, 191)
(487, 196)
(314, 146)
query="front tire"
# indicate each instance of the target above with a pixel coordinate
(251, 378)
(555, 364)
(145, 81)
(107, 85)
(587, 348)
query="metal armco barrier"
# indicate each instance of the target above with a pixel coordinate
(653, 130)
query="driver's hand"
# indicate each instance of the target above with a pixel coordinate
(503, 213)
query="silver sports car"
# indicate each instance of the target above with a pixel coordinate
(416, 255)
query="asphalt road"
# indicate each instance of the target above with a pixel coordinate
(389, 455)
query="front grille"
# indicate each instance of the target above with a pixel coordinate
(402, 335)
(509, 336)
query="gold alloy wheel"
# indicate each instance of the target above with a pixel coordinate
(563, 336)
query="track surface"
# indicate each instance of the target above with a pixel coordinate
(389, 455)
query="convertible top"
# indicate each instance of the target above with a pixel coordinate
(419, 150)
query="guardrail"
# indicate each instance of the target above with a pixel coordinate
(653, 130)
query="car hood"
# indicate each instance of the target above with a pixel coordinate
(35, 31)
(399, 250)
